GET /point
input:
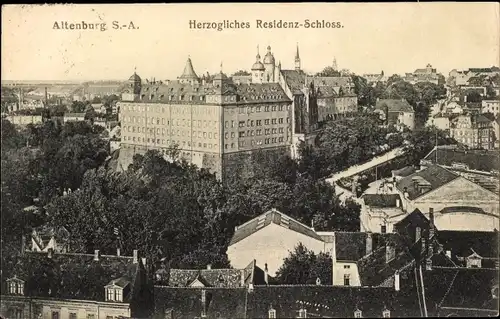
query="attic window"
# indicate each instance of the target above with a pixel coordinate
(358, 314)
(272, 313)
(386, 313)
(114, 294)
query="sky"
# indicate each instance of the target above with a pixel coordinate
(393, 37)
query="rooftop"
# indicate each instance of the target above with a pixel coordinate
(486, 161)
(382, 200)
(394, 105)
(425, 181)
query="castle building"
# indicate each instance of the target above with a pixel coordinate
(216, 125)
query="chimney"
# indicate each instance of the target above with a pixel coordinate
(242, 278)
(136, 257)
(398, 202)
(50, 252)
(396, 280)
(334, 258)
(266, 276)
(448, 253)
(431, 216)
(423, 245)
(96, 255)
(389, 253)
(209, 266)
(369, 243)
(23, 244)
(405, 192)
(312, 224)
(118, 252)
(143, 261)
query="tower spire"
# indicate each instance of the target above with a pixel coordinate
(297, 59)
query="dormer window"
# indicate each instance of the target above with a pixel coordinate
(358, 314)
(115, 289)
(386, 313)
(16, 286)
(302, 313)
(272, 313)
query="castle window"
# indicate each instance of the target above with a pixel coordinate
(266, 122)
(281, 130)
(281, 107)
(257, 109)
(273, 121)
(280, 121)
(274, 108)
(266, 108)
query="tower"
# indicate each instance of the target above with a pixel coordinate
(189, 76)
(297, 59)
(258, 69)
(135, 83)
(334, 65)
(269, 66)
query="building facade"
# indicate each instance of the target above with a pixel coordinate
(473, 130)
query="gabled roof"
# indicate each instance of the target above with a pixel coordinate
(381, 200)
(71, 276)
(394, 105)
(120, 282)
(271, 217)
(209, 277)
(434, 177)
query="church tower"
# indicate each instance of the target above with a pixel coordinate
(133, 90)
(334, 66)
(258, 69)
(297, 59)
(269, 66)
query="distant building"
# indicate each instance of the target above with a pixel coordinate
(429, 74)
(381, 212)
(473, 130)
(442, 121)
(374, 78)
(24, 119)
(490, 106)
(50, 285)
(462, 78)
(74, 117)
(45, 238)
(397, 112)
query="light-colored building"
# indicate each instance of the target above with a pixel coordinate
(74, 117)
(24, 119)
(50, 285)
(429, 74)
(374, 78)
(473, 130)
(397, 112)
(458, 203)
(462, 77)
(381, 211)
(441, 121)
(490, 106)
(270, 237)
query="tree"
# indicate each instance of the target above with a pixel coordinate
(303, 266)
(473, 96)
(328, 71)
(423, 140)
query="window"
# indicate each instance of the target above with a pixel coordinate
(272, 313)
(72, 315)
(347, 278)
(258, 109)
(225, 146)
(273, 121)
(358, 314)
(267, 131)
(266, 108)
(386, 313)
(232, 134)
(281, 139)
(241, 134)
(226, 124)
(274, 130)
(259, 132)
(383, 229)
(241, 124)
(281, 130)
(259, 123)
(109, 317)
(251, 123)
(226, 135)
(280, 120)
(347, 266)
(274, 108)
(55, 314)
(266, 122)
(281, 108)
(15, 313)
(118, 295)
(109, 292)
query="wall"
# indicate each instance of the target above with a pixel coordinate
(374, 218)
(25, 119)
(270, 245)
(408, 119)
(351, 270)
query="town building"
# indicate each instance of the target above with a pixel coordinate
(44, 238)
(442, 121)
(429, 74)
(473, 130)
(51, 285)
(462, 77)
(490, 106)
(458, 203)
(74, 117)
(23, 120)
(381, 212)
(373, 79)
(397, 112)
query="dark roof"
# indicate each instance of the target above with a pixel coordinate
(405, 171)
(381, 200)
(70, 276)
(471, 289)
(330, 81)
(295, 80)
(374, 270)
(326, 301)
(189, 71)
(272, 216)
(187, 302)
(177, 92)
(74, 114)
(430, 178)
(485, 244)
(350, 246)
(209, 277)
(474, 159)
(135, 77)
(394, 105)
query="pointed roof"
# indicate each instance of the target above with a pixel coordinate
(297, 56)
(189, 71)
(258, 66)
